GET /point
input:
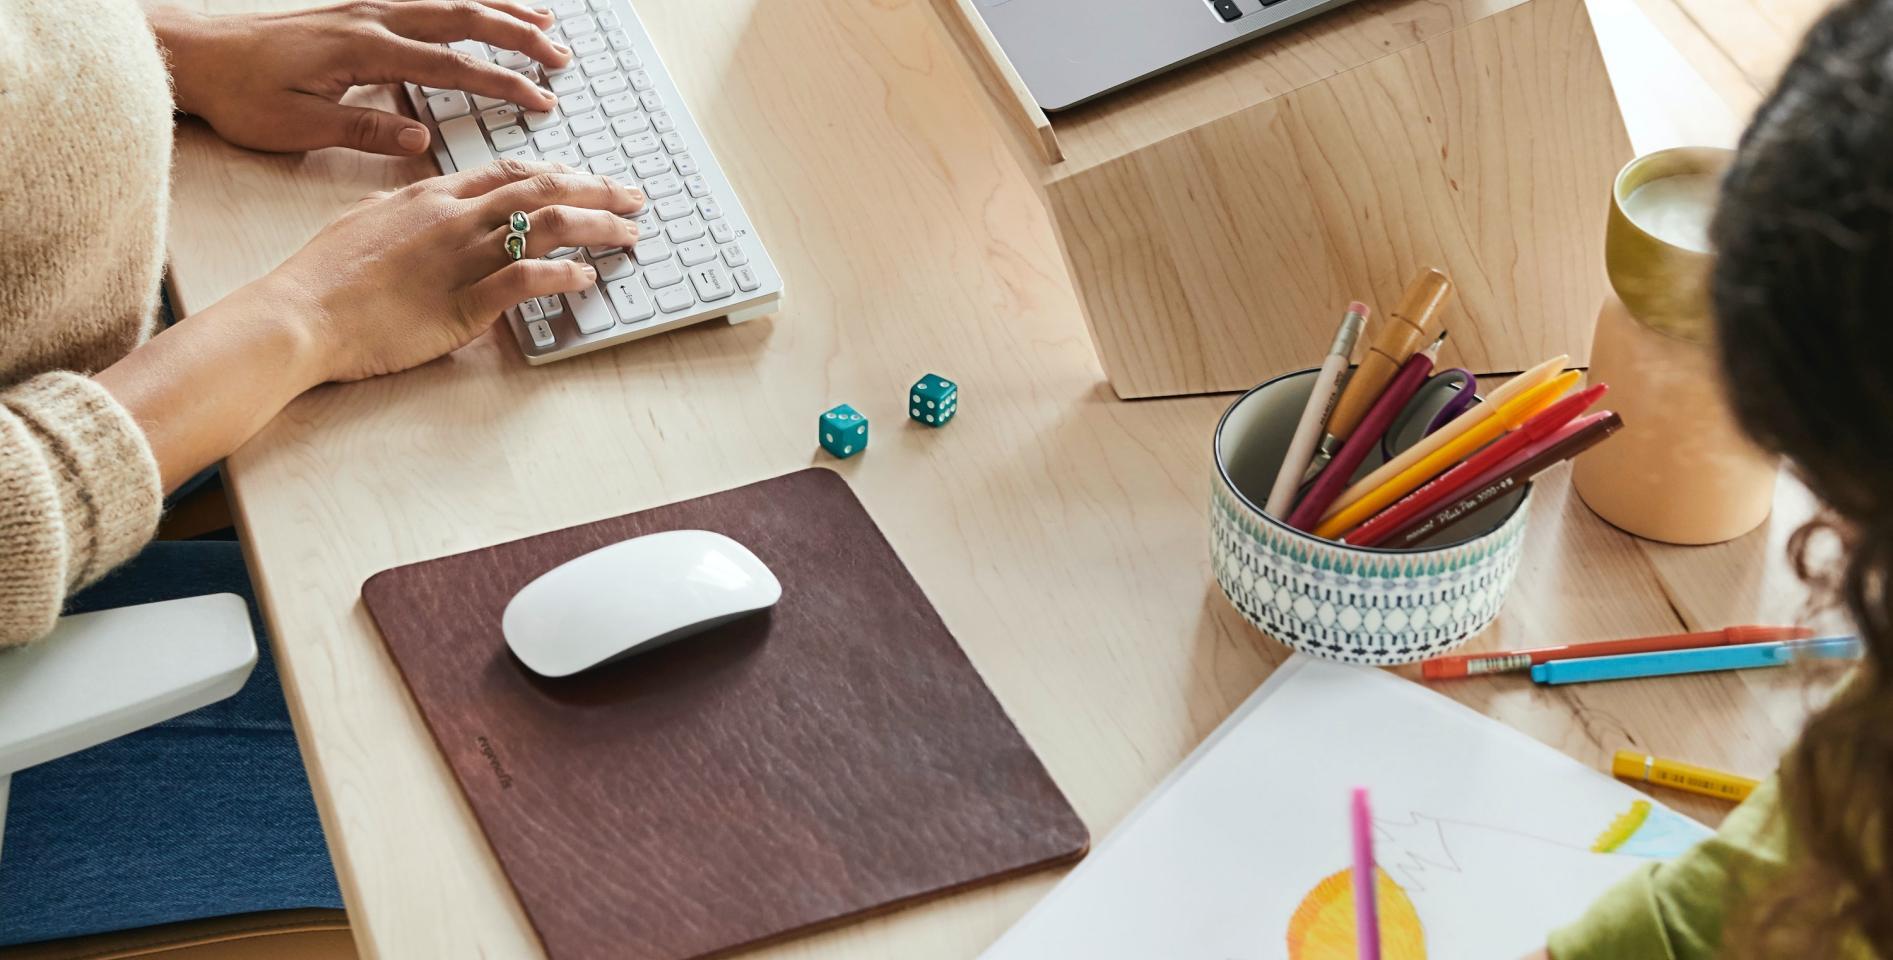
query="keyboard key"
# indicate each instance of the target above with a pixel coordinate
(710, 209)
(499, 117)
(568, 8)
(597, 252)
(635, 122)
(608, 20)
(586, 124)
(552, 306)
(597, 143)
(650, 252)
(668, 185)
(651, 101)
(641, 80)
(617, 266)
(663, 122)
(472, 48)
(553, 139)
(576, 27)
(651, 164)
(670, 208)
(621, 104)
(446, 106)
(608, 84)
(628, 59)
(687, 165)
(697, 186)
(722, 232)
(639, 144)
(674, 143)
(734, 255)
(484, 104)
(588, 45)
(619, 40)
(632, 300)
(522, 154)
(675, 299)
(536, 120)
(512, 60)
(577, 102)
(689, 228)
(602, 4)
(590, 310)
(465, 143)
(508, 138)
(711, 283)
(648, 226)
(695, 252)
(567, 82)
(530, 311)
(609, 164)
(599, 64)
(745, 279)
(663, 274)
(541, 333)
(566, 155)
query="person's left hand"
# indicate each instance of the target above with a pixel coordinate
(273, 82)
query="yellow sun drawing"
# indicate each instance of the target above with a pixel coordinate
(1323, 926)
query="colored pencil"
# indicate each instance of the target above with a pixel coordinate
(1513, 416)
(1366, 896)
(1519, 661)
(1365, 438)
(1669, 663)
(1403, 525)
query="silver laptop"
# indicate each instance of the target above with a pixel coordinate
(1069, 51)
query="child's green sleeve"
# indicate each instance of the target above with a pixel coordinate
(1675, 910)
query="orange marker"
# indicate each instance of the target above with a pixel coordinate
(1516, 661)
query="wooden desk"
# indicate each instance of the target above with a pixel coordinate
(1061, 532)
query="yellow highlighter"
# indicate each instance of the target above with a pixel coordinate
(1536, 376)
(1632, 765)
(1507, 417)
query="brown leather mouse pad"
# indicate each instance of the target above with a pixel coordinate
(834, 757)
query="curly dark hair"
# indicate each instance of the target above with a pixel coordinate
(1802, 287)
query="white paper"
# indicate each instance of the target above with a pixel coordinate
(1488, 833)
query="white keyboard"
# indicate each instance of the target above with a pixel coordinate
(619, 115)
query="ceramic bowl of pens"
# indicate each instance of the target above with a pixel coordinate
(1386, 530)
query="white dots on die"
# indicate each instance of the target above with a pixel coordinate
(929, 418)
(854, 416)
(916, 399)
(860, 430)
(914, 412)
(930, 404)
(828, 437)
(830, 414)
(847, 450)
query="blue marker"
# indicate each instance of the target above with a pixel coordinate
(1702, 660)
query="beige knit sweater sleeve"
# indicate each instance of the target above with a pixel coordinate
(85, 157)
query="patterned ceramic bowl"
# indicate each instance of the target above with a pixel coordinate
(1356, 604)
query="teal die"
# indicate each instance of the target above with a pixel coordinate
(933, 400)
(844, 432)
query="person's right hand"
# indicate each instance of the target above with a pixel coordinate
(408, 276)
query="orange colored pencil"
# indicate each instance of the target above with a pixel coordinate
(1515, 661)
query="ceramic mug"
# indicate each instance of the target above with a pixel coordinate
(1355, 604)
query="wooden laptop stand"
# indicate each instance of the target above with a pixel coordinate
(1217, 219)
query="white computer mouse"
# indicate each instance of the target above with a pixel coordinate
(634, 596)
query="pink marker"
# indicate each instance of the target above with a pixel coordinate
(1366, 898)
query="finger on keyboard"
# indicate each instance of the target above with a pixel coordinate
(573, 189)
(558, 226)
(437, 66)
(443, 22)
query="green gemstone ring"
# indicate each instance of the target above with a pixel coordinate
(519, 222)
(516, 245)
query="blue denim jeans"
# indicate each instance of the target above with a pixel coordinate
(206, 815)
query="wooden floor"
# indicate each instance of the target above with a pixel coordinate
(1739, 46)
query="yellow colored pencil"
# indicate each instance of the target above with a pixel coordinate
(1507, 417)
(1536, 376)
(1636, 765)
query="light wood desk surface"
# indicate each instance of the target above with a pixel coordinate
(1061, 533)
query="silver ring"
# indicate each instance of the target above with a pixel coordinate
(517, 226)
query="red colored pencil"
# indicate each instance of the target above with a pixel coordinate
(1460, 478)
(1515, 661)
